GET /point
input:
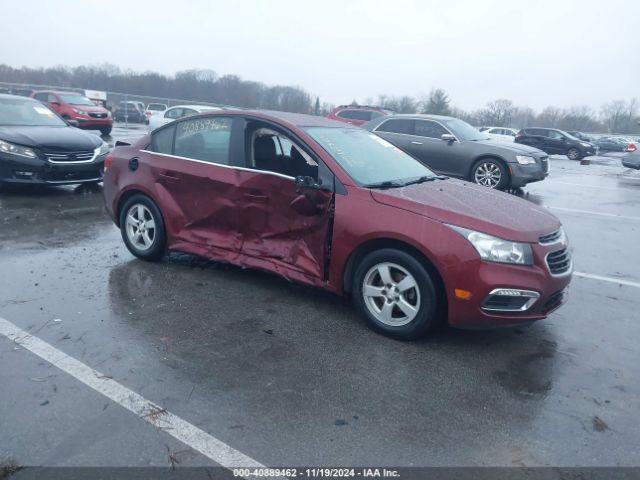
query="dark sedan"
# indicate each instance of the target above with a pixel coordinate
(453, 147)
(39, 147)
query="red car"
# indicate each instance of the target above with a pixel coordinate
(73, 106)
(356, 114)
(337, 207)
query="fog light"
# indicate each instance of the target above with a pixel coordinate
(510, 300)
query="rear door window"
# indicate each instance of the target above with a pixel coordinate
(398, 125)
(205, 139)
(429, 129)
(162, 140)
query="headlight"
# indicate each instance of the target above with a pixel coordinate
(79, 112)
(6, 147)
(525, 159)
(102, 149)
(585, 144)
(493, 249)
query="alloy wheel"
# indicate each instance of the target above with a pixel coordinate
(141, 227)
(573, 154)
(391, 294)
(488, 174)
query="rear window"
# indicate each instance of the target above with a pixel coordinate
(356, 114)
(205, 139)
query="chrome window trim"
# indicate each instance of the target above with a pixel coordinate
(232, 167)
(415, 120)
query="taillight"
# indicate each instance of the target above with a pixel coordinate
(631, 147)
(108, 160)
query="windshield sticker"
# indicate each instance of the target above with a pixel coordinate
(43, 111)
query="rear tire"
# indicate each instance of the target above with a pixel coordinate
(142, 228)
(396, 294)
(574, 154)
(490, 173)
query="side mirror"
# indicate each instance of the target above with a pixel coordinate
(57, 104)
(72, 123)
(304, 182)
(447, 137)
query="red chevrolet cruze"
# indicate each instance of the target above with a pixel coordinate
(334, 206)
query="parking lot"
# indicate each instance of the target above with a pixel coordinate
(288, 375)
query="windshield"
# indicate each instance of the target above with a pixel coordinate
(16, 111)
(463, 131)
(367, 158)
(572, 137)
(76, 100)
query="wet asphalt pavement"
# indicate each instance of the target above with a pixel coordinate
(290, 375)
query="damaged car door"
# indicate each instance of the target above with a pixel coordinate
(286, 198)
(199, 189)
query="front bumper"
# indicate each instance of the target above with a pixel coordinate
(36, 171)
(523, 174)
(482, 279)
(88, 122)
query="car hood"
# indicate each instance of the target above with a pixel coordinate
(517, 148)
(90, 108)
(474, 207)
(67, 138)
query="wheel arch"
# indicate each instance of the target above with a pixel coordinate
(126, 195)
(362, 250)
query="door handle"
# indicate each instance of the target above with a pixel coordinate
(169, 178)
(417, 143)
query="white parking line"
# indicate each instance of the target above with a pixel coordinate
(601, 187)
(617, 281)
(189, 434)
(589, 212)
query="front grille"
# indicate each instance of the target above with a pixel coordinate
(97, 115)
(550, 237)
(545, 163)
(84, 156)
(559, 262)
(65, 176)
(554, 301)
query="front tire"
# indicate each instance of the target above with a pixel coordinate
(396, 294)
(142, 228)
(106, 130)
(574, 154)
(490, 173)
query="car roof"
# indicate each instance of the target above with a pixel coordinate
(420, 116)
(59, 92)
(298, 120)
(8, 96)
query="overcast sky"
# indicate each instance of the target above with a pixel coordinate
(535, 53)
